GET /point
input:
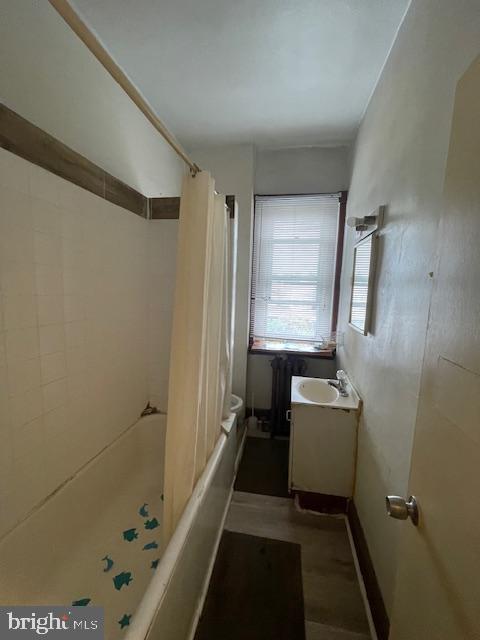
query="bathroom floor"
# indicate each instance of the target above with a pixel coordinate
(333, 607)
(264, 467)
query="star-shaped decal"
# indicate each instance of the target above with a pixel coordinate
(124, 620)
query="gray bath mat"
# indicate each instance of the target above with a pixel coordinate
(255, 592)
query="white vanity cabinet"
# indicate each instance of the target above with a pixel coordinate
(323, 443)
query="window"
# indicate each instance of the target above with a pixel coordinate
(294, 267)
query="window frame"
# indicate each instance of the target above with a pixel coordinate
(343, 195)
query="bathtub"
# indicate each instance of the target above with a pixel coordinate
(98, 539)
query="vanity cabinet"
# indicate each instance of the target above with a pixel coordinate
(323, 447)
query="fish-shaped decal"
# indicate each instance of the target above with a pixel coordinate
(154, 564)
(109, 564)
(150, 545)
(124, 620)
(130, 535)
(143, 511)
(81, 603)
(122, 579)
(151, 524)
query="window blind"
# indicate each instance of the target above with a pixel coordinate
(294, 252)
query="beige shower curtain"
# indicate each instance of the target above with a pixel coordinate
(199, 360)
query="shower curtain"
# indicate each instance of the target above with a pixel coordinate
(199, 357)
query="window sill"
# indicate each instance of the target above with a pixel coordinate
(279, 347)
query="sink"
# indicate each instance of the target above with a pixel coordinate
(318, 391)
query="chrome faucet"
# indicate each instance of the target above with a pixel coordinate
(340, 383)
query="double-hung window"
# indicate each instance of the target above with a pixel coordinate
(294, 269)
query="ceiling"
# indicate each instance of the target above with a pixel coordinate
(274, 73)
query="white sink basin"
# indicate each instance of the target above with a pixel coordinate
(318, 391)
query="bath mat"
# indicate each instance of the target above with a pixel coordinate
(264, 467)
(255, 592)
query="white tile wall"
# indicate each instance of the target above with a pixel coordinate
(162, 254)
(86, 296)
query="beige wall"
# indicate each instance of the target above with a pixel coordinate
(233, 170)
(400, 161)
(302, 170)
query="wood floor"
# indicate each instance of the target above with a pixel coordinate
(264, 467)
(333, 604)
(333, 607)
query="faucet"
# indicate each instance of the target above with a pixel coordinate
(340, 383)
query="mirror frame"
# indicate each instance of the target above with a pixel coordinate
(373, 237)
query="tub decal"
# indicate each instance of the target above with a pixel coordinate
(124, 620)
(122, 579)
(81, 603)
(109, 564)
(150, 545)
(143, 511)
(130, 535)
(154, 564)
(151, 524)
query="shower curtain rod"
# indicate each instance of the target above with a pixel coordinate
(71, 17)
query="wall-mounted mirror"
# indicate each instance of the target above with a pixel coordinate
(362, 283)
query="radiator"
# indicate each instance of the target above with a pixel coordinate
(283, 370)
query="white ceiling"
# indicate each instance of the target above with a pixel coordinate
(274, 73)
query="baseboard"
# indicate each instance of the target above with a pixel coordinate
(321, 502)
(372, 587)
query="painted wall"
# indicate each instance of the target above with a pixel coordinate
(50, 78)
(399, 161)
(302, 170)
(233, 170)
(295, 170)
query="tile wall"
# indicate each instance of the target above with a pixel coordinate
(162, 253)
(83, 328)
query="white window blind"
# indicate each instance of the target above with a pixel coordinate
(295, 244)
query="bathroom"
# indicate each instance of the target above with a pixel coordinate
(182, 457)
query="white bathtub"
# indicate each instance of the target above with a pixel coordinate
(63, 551)
(173, 601)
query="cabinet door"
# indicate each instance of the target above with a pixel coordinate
(323, 450)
